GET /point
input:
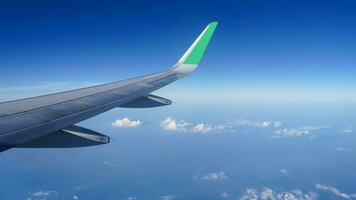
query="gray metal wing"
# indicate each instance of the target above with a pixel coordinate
(30, 121)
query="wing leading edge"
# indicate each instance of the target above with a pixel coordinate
(34, 121)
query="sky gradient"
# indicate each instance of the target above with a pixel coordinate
(268, 115)
(275, 51)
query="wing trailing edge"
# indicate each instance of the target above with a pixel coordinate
(73, 136)
(148, 101)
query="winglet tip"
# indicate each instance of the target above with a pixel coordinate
(194, 54)
(191, 58)
(214, 23)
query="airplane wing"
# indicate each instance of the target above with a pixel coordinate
(48, 121)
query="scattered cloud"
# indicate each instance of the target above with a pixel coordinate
(126, 122)
(215, 176)
(259, 124)
(131, 198)
(225, 195)
(282, 132)
(341, 149)
(284, 171)
(49, 194)
(202, 128)
(262, 124)
(293, 132)
(277, 124)
(171, 124)
(347, 130)
(335, 191)
(269, 194)
(109, 164)
(44, 194)
(168, 197)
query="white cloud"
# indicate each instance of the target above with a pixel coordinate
(293, 132)
(171, 124)
(277, 124)
(250, 194)
(44, 194)
(347, 130)
(225, 195)
(48, 194)
(269, 194)
(168, 197)
(202, 128)
(261, 124)
(335, 191)
(215, 176)
(109, 164)
(283, 171)
(341, 149)
(126, 122)
(131, 198)
(264, 124)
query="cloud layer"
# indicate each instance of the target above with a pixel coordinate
(168, 197)
(335, 191)
(261, 124)
(347, 130)
(43, 194)
(302, 131)
(171, 124)
(269, 194)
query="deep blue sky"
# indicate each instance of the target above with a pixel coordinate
(299, 55)
(283, 49)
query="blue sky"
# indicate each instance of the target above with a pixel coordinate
(277, 51)
(270, 112)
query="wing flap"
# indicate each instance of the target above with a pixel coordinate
(73, 136)
(148, 101)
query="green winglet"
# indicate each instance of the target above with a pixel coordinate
(196, 52)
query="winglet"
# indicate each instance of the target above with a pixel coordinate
(191, 58)
(196, 51)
